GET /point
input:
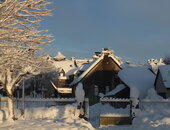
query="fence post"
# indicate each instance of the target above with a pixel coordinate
(17, 99)
(86, 108)
(23, 97)
(0, 103)
(131, 114)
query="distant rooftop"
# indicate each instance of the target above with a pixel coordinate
(59, 56)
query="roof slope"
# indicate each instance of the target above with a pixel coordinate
(93, 64)
(139, 77)
(165, 72)
(67, 65)
(116, 90)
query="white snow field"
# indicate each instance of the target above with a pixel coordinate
(52, 118)
(47, 124)
(152, 115)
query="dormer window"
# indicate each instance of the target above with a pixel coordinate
(61, 73)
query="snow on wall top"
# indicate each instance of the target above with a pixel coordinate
(140, 77)
(165, 72)
(94, 63)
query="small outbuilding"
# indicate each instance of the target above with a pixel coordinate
(100, 76)
(162, 81)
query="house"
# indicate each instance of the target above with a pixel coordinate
(99, 76)
(162, 81)
(54, 83)
(138, 78)
(135, 81)
(65, 73)
(65, 66)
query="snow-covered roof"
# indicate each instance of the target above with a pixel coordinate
(84, 67)
(165, 72)
(140, 77)
(88, 69)
(90, 66)
(155, 63)
(67, 65)
(116, 90)
(59, 56)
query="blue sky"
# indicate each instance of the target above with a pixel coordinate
(135, 30)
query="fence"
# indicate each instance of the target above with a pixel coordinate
(22, 103)
(154, 101)
(147, 103)
(3, 102)
(116, 102)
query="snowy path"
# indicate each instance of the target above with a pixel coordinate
(47, 124)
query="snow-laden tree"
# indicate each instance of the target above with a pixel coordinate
(17, 63)
(19, 20)
(19, 36)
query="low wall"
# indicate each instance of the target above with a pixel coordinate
(111, 120)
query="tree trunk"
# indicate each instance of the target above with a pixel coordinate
(11, 106)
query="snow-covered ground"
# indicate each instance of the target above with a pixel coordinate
(52, 118)
(150, 116)
(47, 124)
